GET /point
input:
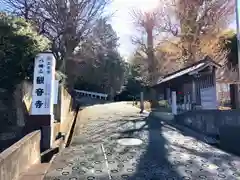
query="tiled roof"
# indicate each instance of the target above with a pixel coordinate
(189, 69)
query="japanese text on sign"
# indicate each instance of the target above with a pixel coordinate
(43, 84)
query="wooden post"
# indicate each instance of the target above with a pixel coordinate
(185, 102)
(174, 102)
(189, 102)
(193, 91)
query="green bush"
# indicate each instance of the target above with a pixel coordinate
(163, 103)
(19, 44)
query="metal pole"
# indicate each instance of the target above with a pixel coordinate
(238, 45)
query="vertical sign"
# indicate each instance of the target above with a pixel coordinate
(43, 84)
(56, 85)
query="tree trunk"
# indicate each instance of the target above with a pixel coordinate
(70, 74)
(152, 71)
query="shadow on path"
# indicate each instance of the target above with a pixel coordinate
(153, 163)
(166, 154)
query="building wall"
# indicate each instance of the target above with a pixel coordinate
(190, 85)
(203, 82)
(223, 94)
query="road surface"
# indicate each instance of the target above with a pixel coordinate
(96, 154)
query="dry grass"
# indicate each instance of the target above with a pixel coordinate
(224, 108)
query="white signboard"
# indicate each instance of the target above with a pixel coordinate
(56, 84)
(208, 98)
(43, 84)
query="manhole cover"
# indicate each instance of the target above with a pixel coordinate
(130, 141)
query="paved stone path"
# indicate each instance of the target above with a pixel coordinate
(165, 153)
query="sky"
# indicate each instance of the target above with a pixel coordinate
(122, 22)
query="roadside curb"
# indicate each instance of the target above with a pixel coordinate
(189, 132)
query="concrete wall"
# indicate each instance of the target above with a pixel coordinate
(229, 138)
(209, 121)
(64, 114)
(20, 156)
(23, 124)
(57, 107)
(67, 113)
(222, 123)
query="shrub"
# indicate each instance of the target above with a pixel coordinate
(19, 44)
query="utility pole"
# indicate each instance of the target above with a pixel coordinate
(238, 46)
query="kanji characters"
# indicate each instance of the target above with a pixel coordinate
(39, 91)
(48, 67)
(40, 65)
(38, 104)
(40, 71)
(40, 80)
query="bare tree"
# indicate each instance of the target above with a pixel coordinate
(197, 24)
(65, 22)
(23, 8)
(191, 26)
(147, 22)
(194, 29)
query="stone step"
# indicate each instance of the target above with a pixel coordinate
(35, 172)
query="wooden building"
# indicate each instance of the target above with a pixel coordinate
(195, 86)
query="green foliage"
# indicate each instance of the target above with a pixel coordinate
(103, 69)
(137, 75)
(19, 44)
(107, 74)
(134, 84)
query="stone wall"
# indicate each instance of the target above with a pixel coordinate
(23, 100)
(67, 112)
(20, 156)
(22, 123)
(222, 124)
(15, 114)
(63, 115)
(209, 121)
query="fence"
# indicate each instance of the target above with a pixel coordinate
(80, 93)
